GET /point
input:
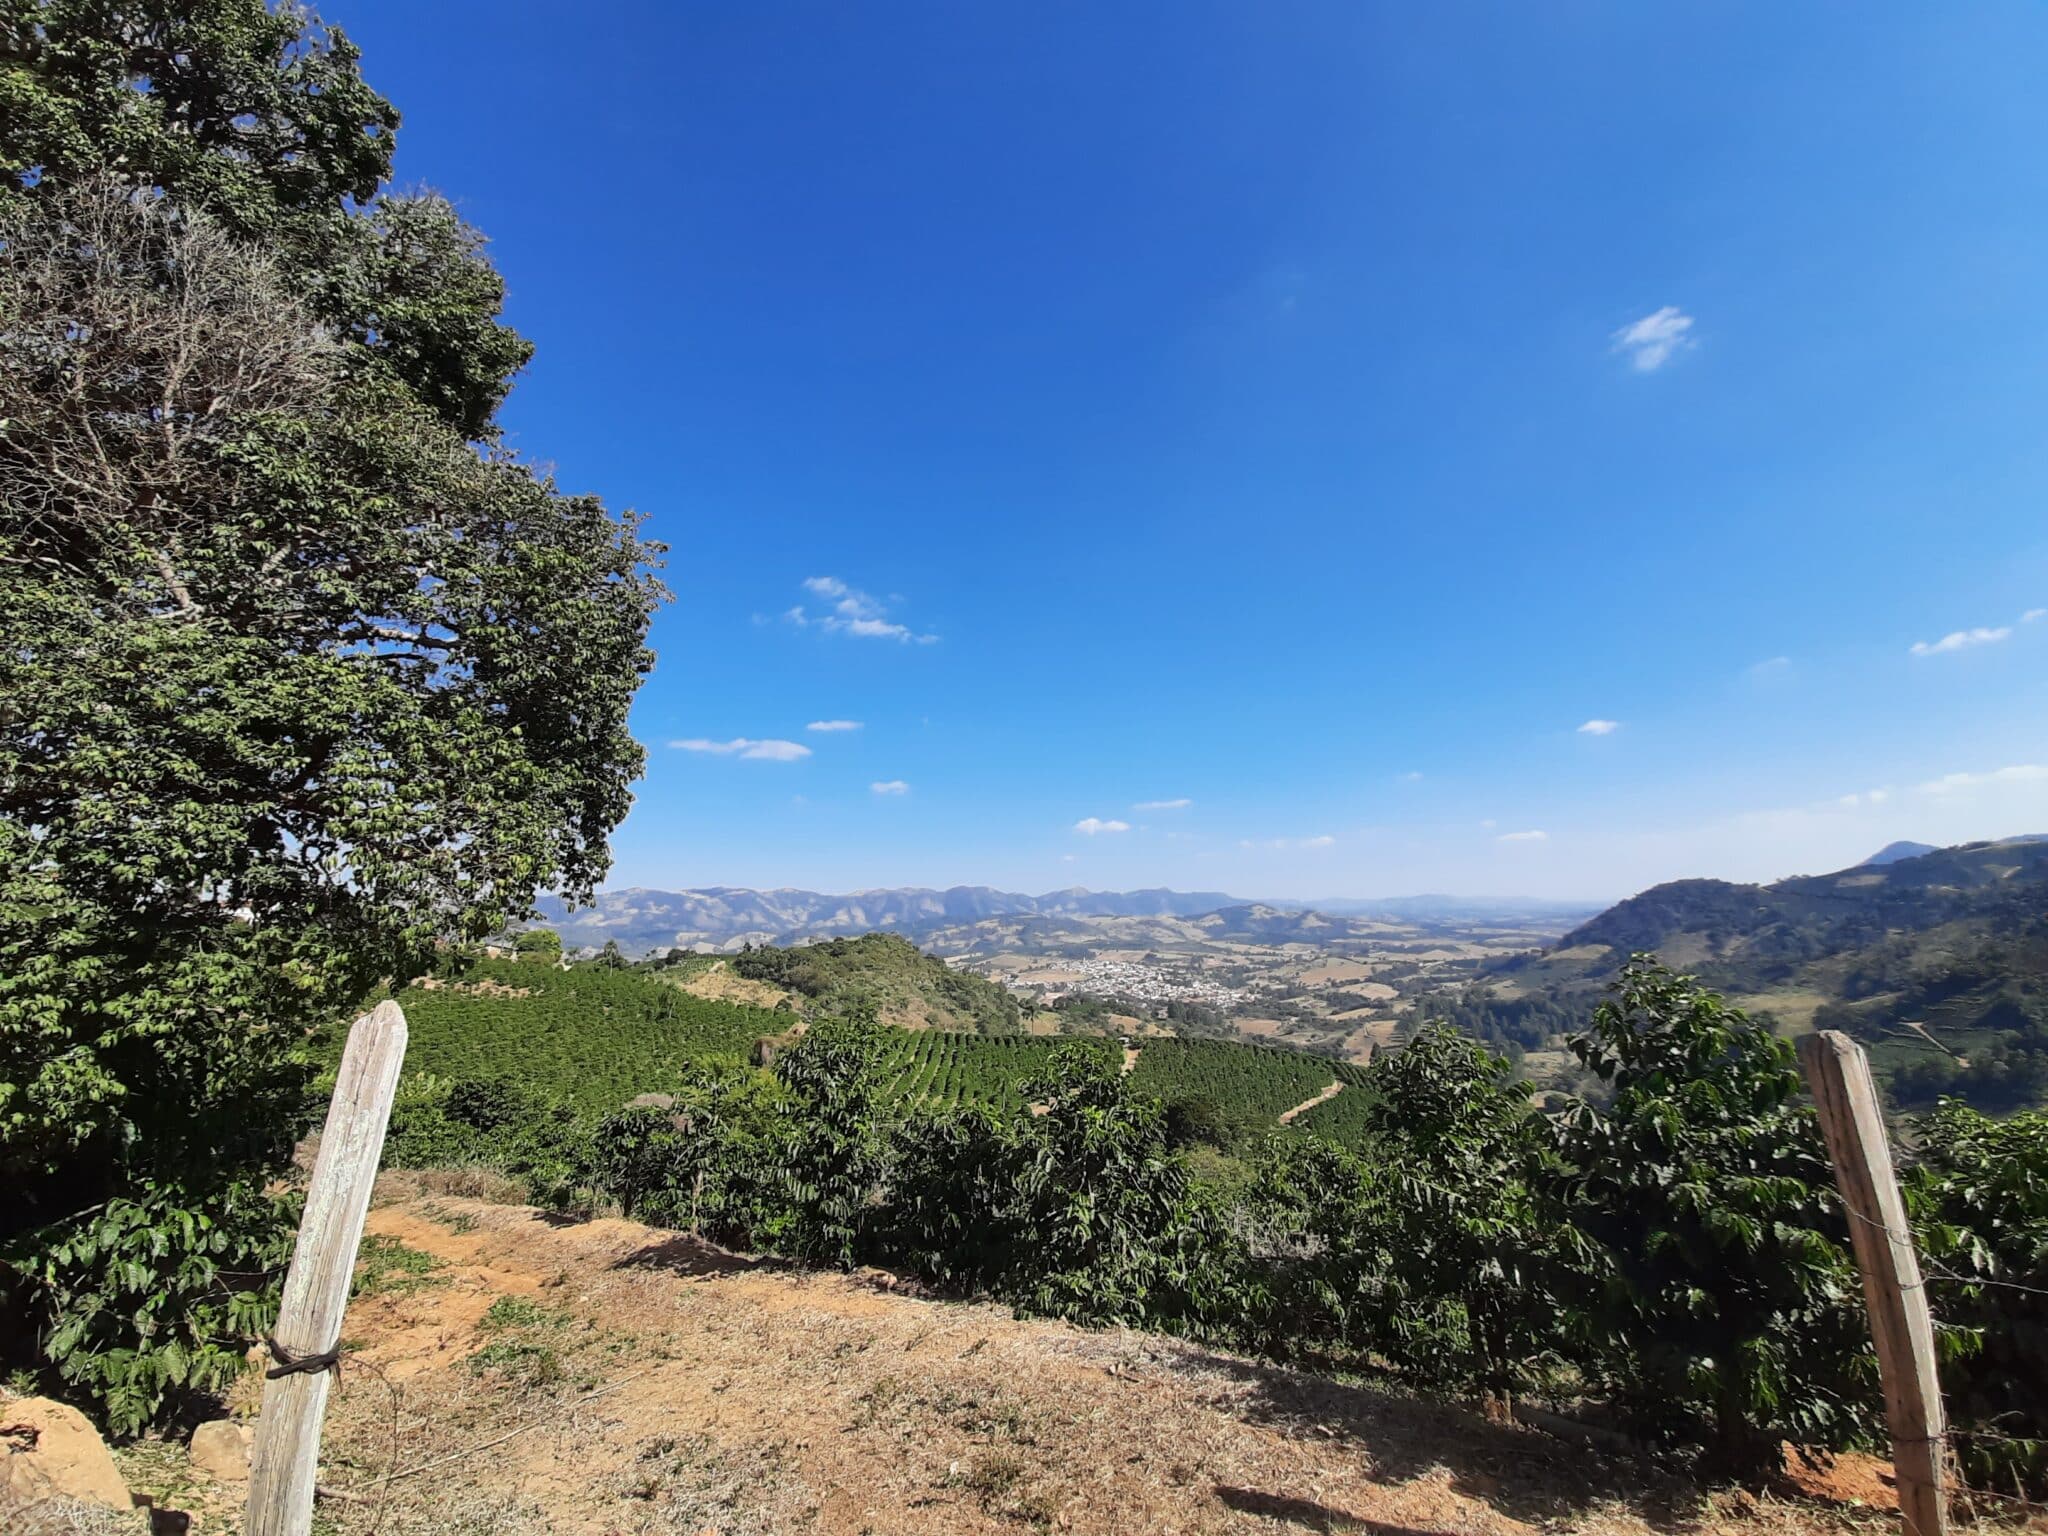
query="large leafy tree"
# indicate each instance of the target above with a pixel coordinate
(303, 672)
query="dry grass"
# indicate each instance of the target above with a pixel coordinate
(605, 1378)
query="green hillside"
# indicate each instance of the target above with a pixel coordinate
(1938, 962)
(590, 1035)
(1253, 1082)
(902, 983)
(943, 1068)
(595, 1036)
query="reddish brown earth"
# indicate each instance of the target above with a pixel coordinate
(649, 1383)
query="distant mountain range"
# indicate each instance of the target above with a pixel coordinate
(723, 918)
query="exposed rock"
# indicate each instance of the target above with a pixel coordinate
(652, 1101)
(221, 1448)
(54, 1460)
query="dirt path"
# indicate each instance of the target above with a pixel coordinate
(1329, 1093)
(650, 1383)
(1130, 1058)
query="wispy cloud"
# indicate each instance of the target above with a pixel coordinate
(833, 725)
(1412, 776)
(1599, 727)
(2015, 773)
(1163, 805)
(889, 787)
(1858, 798)
(1652, 341)
(1321, 840)
(2033, 614)
(1524, 837)
(1773, 665)
(1962, 640)
(850, 611)
(770, 751)
(1094, 826)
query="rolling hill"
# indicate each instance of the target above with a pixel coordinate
(1937, 960)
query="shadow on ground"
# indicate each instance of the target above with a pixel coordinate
(1521, 1472)
(681, 1254)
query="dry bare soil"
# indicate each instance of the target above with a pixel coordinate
(514, 1371)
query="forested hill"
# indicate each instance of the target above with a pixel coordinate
(879, 970)
(1938, 960)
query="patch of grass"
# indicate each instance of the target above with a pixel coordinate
(520, 1312)
(386, 1267)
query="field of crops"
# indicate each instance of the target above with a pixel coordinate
(1346, 1119)
(597, 1037)
(1247, 1082)
(593, 1036)
(942, 1067)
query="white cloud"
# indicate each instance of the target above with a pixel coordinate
(852, 612)
(1961, 640)
(1774, 664)
(1412, 776)
(1163, 805)
(1599, 727)
(1651, 341)
(833, 725)
(1524, 837)
(1321, 840)
(2016, 773)
(1489, 824)
(1091, 826)
(2033, 614)
(745, 746)
(890, 787)
(1856, 798)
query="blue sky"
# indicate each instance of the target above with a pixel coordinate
(1316, 413)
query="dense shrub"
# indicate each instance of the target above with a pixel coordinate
(1715, 1296)
(706, 1161)
(1978, 1193)
(1424, 1250)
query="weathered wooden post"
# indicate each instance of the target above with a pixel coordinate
(308, 1337)
(1839, 1074)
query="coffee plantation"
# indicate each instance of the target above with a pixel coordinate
(1425, 1221)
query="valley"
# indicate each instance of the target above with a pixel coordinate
(1338, 986)
(1150, 962)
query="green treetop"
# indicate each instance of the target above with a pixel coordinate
(303, 673)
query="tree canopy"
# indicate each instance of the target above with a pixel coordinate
(305, 671)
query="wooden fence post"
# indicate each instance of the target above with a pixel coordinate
(1839, 1074)
(287, 1451)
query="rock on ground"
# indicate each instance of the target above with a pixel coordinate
(57, 1474)
(221, 1448)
